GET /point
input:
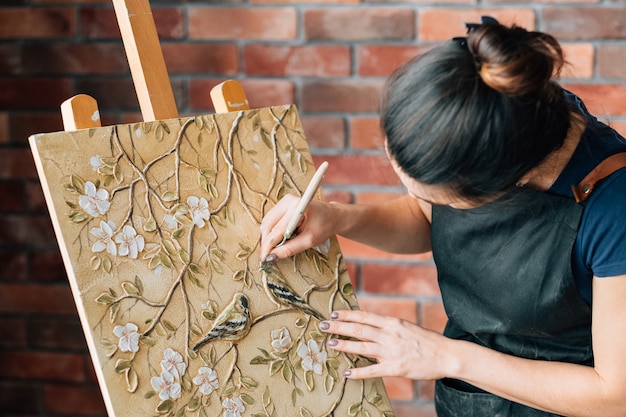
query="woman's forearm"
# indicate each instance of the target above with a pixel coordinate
(397, 226)
(561, 388)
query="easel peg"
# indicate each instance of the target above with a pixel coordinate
(80, 112)
(229, 96)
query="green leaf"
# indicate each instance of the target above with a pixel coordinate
(122, 364)
(132, 381)
(329, 384)
(193, 404)
(184, 256)
(287, 374)
(239, 275)
(247, 399)
(354, 408)
(149, 394)
(139, 284)
(169, 196)
(308, 380)
(305, 413)
(276, 366)
(105, 298)
(164, 407)
(130, 288)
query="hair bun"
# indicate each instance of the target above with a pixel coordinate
(514, 61)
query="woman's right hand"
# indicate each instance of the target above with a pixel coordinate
(316, 227)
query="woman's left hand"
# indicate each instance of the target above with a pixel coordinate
(401, 348)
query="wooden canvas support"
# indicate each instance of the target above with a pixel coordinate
(145, 58)
(80, 112)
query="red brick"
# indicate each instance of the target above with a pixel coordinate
(602, 99)
(433, 315)
(74, 400)
(47, 266)
(25, 124)
(341, 96)
(110, 93)
(198, 58)
(19, 397)
(443, 24)
(585, 23)
(426, 390)
(5, 129)
(324, 132)
(339, 196)
(403, 308)
(399, 388)
(32, 23)
(372, 197)
(268, 23)
(359, 23)
(260, 93)
(34, 93)
(305, 61)
(30, 298)
(365, 133)
(413, 410)
(382, 60)
(10, 58)
(304, 1)
(358, 169)
(85, 58)
(58, 334)
(612, 61)
(353, 273)
(620, 127)
(579, 60)
(70, 1)
(354, 250)
(13, 331)
(101, 23)
(12, 195)
(14, 266)
(36, 201)
(42, 365)
(16, 163)
(400, 279)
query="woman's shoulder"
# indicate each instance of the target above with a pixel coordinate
(602, 232)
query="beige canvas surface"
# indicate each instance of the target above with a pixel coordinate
(158, 224)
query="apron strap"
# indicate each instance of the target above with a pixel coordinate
(605, 168)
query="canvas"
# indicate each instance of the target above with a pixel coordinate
(158, 225)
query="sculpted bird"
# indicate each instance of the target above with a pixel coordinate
(233, 323)
(283, 295)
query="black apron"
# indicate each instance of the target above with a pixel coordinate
(506, 281)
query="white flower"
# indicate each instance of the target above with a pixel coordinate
(199, 209)
(104, 233)
(234, 407)
(95, 163)
(95, 202)
(171, 221)
(281, 340)
(166, 386)
(206, 380)
(129, 338)
(312, 358)
(130, 242)
(173, 363)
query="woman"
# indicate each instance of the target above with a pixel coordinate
(488, 147)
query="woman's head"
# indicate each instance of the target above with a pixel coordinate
(474, 115)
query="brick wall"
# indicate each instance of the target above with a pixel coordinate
(330, 57)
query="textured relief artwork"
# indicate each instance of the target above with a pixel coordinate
(158, 224)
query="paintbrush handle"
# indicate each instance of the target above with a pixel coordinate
(305, 200)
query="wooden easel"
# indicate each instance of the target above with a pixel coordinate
(149, 73)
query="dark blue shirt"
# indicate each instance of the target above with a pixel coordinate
(600, 247)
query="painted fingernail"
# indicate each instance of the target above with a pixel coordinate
(347, 372)
(272, 257)
(324, 325)
(333, 342)
(334, 315)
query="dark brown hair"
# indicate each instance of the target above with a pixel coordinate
(475, 114)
